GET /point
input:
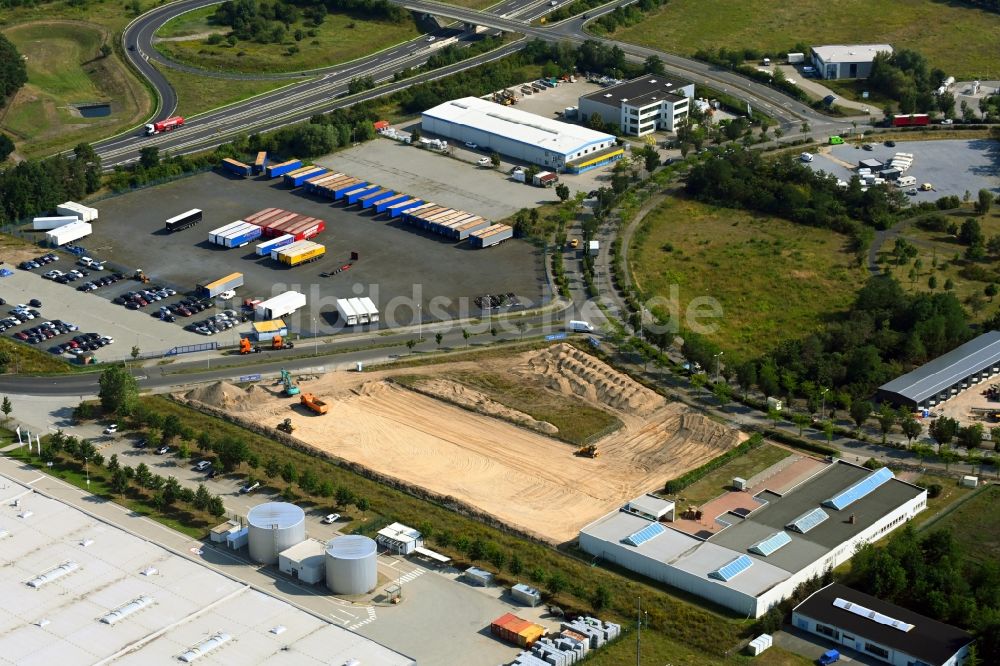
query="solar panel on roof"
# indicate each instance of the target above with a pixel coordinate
(874, 616)
(644, 535)
(732, 569)
(808, 520)
(771, 544)
(864, 487)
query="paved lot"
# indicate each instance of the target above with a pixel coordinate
(91, 313)
(952, 166)
(398, 266)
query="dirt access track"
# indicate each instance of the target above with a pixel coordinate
(524, 478)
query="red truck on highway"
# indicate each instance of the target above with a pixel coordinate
(164, 125)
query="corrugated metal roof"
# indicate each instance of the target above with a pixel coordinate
(518, 125)
(948, 369)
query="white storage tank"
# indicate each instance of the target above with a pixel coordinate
(351, 564)
(274, 527)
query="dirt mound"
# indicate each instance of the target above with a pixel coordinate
(566, 369)
(706, 431)
(221, 395)
(372, 388)
(467, 397)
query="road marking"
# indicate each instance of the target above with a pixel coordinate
(371, 618)
(36, 480)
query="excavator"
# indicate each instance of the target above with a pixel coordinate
(277, 342)
(311, 402)
(589, 451)
(286, 380)
(286, 426)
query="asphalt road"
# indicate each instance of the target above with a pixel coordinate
(299, 101)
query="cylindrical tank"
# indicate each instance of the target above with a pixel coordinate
(274, 526)
(351, 564)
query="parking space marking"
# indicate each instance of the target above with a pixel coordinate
(371, 618)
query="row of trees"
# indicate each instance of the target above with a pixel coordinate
(32, 186)
(13, 75)
(268, 22)
(931, 574)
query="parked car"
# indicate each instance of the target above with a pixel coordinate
(111, 429)
(163, 449)
(249, 487)
(331, 518)
(35, 303)
(202, 465)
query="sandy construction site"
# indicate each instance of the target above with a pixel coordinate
(514, 472)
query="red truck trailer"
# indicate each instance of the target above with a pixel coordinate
(911, 120)
(167, 125)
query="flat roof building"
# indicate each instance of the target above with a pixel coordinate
(846, 61)
(942, 378)
(642, 105)
(399, 538)
(549, 143)
(888, 632)
(759, 557)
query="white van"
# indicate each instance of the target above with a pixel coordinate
(906, 181)
(806, 157)
(577, 326)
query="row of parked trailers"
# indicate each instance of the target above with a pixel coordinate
(276, 222)
(234, 234)
(355, 311)
(241, 169)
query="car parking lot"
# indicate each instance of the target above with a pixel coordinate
(398, 266)
(952, 166)
(70, 323)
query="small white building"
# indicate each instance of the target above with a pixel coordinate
(846, 61)
(641, 106)
(399, 538)
(304, 561)
(889, 633)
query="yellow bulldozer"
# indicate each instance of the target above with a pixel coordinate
(589, 451)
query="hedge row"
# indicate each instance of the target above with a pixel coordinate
(685, 480)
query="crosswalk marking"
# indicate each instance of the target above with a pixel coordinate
(370, 618)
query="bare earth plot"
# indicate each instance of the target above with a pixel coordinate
(519, 475)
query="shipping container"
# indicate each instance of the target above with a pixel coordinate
(274, 226)
(264, 249)
(279, 306)
(68, 233)
(517, 631)
(400, 207)
(384, 204)
(911, 120)
(360, 309)
(347, 314)
(260, 163)
(238, 168)
(184, 220)
(216, 287)
(275, 170)
(369, 200)
(256, 217)
(345, 192)
(475, 223)
(81, 212)
(299, 176)
(296, 254)
(313, 185)
(350, 183)
(490, 235)
(372, 310)
(329, 187)
(47, 223)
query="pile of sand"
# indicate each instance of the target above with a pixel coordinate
(464, 396)
(706, 431)
(223, 395)
(568, 370)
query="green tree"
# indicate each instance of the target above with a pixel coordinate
(767, 379)
(119, 482)
(723, 393)
(172, 427)
(556, 583)
(171, 491)
(466, 335)
(562, 191)
(113, 464)
(654, 65)
(143, 477)
(495, 159)
(308, 481)
(119, 392)
(410, 344)
(149, 157)
(971, 436)
(289, 473)
(231, 451)
(911, 428)
(438, 337)
(202, 498)
(13, 70)
(362, 503)
(596, 122)
(943, 430)
(6, 146)
(216, 507)
(515, 566)
(746, 376)
(6, 407)
(985, 202)
(886, 418)
(344, 496)
(272, 468)
(860, 411)
(828, 430)
(801, 420)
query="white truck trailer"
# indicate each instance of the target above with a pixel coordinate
(347, 314)
(279, 306)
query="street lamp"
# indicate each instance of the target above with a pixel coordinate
(822, 395)
(717, 356)
(315, 337)
(420, 324)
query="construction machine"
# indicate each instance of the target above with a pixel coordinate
(140, 276)
(286, 381)
(589, 451)
(286, 426)
(311, 402)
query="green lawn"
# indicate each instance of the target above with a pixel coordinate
(937, 256)
(65, 67)
(339, 39)
(191, 23)
(774, 280)
(197, 94)
(721, 480)
(975, 525)
(576, 420)
(955, 37)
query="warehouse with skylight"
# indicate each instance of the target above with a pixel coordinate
(758, 557)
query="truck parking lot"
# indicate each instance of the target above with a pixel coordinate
(396, 263)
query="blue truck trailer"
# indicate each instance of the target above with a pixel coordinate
(260, 163)
(275, 170)
(236, 167)
(298, 176)
(264, 249)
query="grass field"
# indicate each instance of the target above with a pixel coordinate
(975, 525)
(340, 38)
(774, 280)
(957, 38)
(65, 68)
(720, 480)
(939, 249)
(197, 94)
(576, 420)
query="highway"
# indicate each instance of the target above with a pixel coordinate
(326, 88)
